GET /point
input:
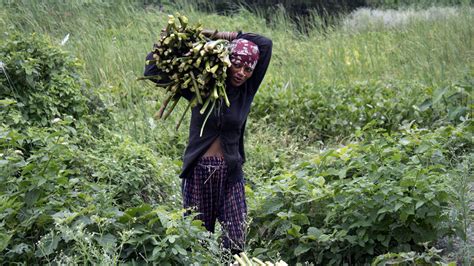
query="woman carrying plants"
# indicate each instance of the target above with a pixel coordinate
(212, 176)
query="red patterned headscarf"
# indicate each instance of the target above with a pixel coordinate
(244, 52)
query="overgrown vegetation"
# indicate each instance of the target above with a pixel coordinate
(385, 193)
(69, 194)
(359, 141)
(322, 7)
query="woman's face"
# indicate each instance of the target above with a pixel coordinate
(239, 73)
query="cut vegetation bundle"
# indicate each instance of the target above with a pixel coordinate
(188, 60)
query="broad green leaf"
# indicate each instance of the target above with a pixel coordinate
(300, 219)
(320, 181)
(324, 238)
(62, 180)
(383, 210)
(438, 94)
(81, 220)
(32, 196)
(314, 233)
(419, 204)
(405, 141)
(172, 238)
(156, 253)
(342, 173)
(300, 249)
(457, 112)
(180, 250)
(407, 199)
(294, 230)
(422, 148)
(259, 251)
(398, 205)
(272, 205)
(4, 240)
(134, 212)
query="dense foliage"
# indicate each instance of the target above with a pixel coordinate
(359, 143)
(64, 185)
(42, 78)
(353, 107)
(373, 196)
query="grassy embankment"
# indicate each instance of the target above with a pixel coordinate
(112, 40)
(320, 89)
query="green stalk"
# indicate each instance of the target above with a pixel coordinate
(175, 102)
(224, 94)
(204, 107)
(198, 94)
(193, 101)
(239, 260)
(165, 103)
(207, 116)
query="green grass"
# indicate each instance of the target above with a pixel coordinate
(112, 39)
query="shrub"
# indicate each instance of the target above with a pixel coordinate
(58, 179)
(37, 184)
(337, 111)
(431, 256)
(43, 79)
(142, 234)
(388, 193)
(132, 172)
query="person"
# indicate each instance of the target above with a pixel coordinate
(212, 175)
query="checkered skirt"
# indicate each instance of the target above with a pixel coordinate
(209, 194)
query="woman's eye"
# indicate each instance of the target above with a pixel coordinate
(248, 69)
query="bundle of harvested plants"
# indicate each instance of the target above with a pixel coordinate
(188, 60)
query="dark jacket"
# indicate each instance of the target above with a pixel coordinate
(228, 123)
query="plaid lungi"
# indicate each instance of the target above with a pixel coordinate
(208, 192)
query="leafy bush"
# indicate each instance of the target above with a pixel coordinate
(63, 202)
(332, 112)
(67, 194)
(132, 171)
(37, 185)
(142, 234)
(388, 193)
(431, 256)
(43, 79)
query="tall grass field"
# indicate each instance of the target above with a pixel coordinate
(359, 142)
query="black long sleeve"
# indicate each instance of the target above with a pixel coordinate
(265, 46)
